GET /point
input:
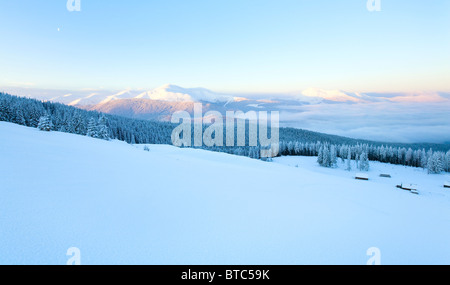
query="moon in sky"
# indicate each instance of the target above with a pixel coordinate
(58, 30)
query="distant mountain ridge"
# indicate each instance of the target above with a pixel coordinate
(395, 117)
(149, 109)
(166, 93)
(174, 93)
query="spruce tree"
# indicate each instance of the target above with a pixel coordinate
(92, 130)
(435, 164)
(45, 123)
(364, 162)
(349, 162)
(333, 156)
(103, 130)
(320, 157)
(326, 157)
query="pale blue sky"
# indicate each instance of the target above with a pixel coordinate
(232, 45)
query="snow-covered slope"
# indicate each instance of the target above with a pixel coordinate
(430, 186)
(122, 205)
(142, 108)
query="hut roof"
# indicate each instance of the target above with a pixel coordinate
(362, 176)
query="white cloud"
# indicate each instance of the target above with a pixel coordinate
(382, 121)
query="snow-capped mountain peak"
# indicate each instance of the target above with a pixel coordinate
(316, 95)
(174, 93)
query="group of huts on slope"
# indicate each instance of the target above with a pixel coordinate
(404, 186)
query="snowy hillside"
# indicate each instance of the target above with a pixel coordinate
(142, 108)
(120, 204)
(428, 185)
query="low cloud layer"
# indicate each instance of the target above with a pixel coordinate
(381, 121)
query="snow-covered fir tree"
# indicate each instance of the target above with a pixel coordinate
(348, 165)
(45, 123)
(92, 129)
(409, 157)
(343, 153)
(333, 156)
(103, 130)
(326, 162)
(363, 162)
(423, 159)
(320, 156)
(435, 163)
(99, 130)
(383, 154)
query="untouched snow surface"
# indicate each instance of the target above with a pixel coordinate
(122, 205)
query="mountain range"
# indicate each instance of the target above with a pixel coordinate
(393, 117)
(174, 93)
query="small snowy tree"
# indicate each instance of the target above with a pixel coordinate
(435, 164)
(423, 159)
(320, 157)
(102, 128)
(349, 162)
(45, 123)
(363, 162)
(92, 130)
(291, 147)
(383, 154)
(333, 156)
(343, 153)
(18, 118)
(326, 157)
(447, 161)
(367, 162)
(297, 148)
(409, 157)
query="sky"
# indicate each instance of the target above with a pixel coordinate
(227, 46)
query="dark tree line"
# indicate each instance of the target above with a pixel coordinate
(434, 161)
(28, 112)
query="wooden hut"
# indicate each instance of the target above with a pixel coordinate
(409, 187)
(362, 176)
